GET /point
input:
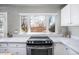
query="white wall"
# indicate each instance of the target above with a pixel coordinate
(13, 14)
(74, 30)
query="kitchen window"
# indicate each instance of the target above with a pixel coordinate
(37, 24)
(51, 23)
(41, 23)
(24, 25)
(3, 24)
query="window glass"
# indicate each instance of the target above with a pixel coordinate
(51, 23)
(24, 23)
(38, 24)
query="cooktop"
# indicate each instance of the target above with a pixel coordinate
(39, 40)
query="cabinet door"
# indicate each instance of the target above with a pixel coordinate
(65, 16)
(3, 50)
(17, 51)
(3, 45)
(17, 45)
(69, 51)
(59, 49)
(75, 15)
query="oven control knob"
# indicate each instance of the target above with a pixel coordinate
(45, 41)
(48, 41)
(27, 41)
(32, 41)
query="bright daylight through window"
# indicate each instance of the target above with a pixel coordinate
(38, 23)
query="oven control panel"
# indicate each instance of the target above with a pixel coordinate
(39, 42)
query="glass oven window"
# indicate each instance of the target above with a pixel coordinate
(39, 51)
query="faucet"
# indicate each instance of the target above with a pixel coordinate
(69, 34)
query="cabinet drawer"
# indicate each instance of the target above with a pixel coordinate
(18, 51)
(16, 45)
(3, 50)
(3, 45)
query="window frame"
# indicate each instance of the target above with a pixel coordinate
(38, 14)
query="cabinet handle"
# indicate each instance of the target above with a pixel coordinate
(16, 52)
(16, 45)
(5, 49)
(66, 48)
(70, 23)
(0, 45)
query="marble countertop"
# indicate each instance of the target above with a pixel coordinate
(58, 39)
(24, 39)
(14, 39)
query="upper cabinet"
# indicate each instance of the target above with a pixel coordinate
(65, 16)
(70, 15)
(75, 15)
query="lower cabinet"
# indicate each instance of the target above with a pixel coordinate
(13, 48)
(17, 51)
(59, 49)
(69, 51)
(3, 50)
(3, 47)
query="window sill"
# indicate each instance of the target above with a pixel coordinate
(38, 34)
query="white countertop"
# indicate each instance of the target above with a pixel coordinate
(58, 39)
(14, 39)
(24, 39)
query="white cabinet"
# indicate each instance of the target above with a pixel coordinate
(70, 15)
(69, 51)
(17, 51)
(3, 50)
(3, 47)
(17, 45)
(65, 16)
(59, 49)
(13, 48)
(75, 14)
(17, 48)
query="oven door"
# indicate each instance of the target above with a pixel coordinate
(40, 51)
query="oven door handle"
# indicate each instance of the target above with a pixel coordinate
(40, 47)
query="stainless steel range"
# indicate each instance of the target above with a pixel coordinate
(40, 46)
